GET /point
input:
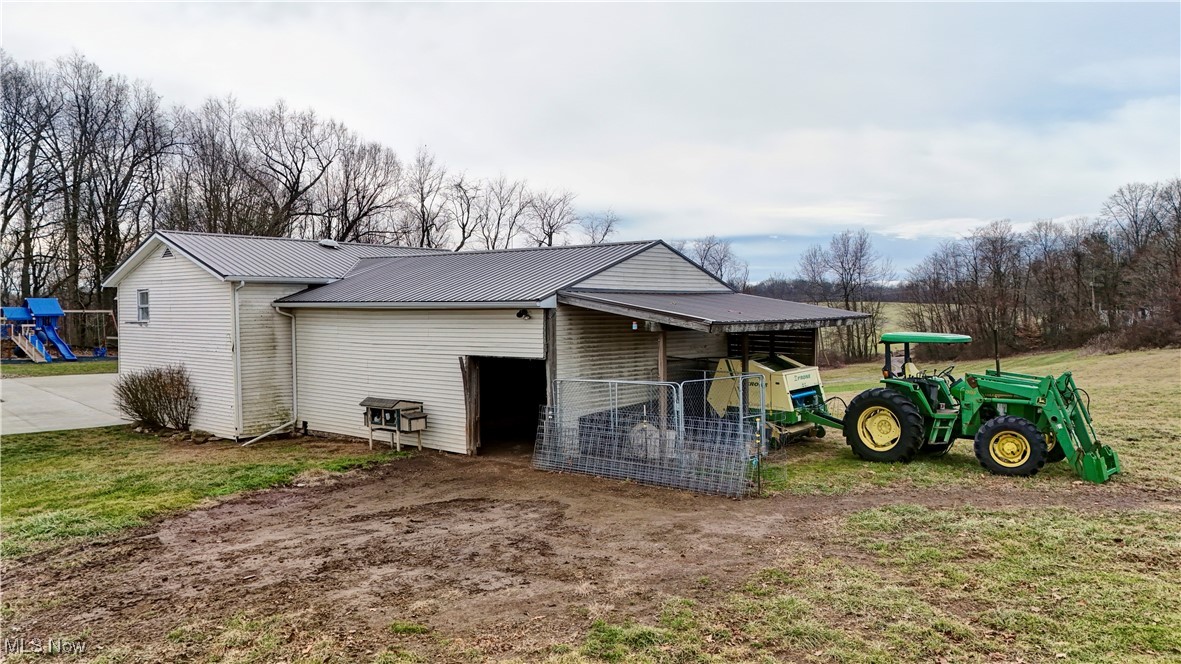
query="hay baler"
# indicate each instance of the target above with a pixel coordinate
(794, 395)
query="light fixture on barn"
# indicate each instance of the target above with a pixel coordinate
(523, 314)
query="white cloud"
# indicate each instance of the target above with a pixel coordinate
(912, 120)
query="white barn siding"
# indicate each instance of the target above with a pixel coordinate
(265, 364)
(190, 323)
(657, 268)
(345, 355)
(597, 345)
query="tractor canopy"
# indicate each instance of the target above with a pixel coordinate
(924, 338)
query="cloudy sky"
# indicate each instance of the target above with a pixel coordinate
(771, 125)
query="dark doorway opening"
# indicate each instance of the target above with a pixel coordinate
(512, 392)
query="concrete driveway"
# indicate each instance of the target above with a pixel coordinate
(54, 403)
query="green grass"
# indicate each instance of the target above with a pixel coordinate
(31, 370)
(74, 484)
(1135, 403)
(408, 628)
(923, 585)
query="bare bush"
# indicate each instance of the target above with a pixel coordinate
(157, 397)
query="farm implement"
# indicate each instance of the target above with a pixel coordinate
(1017, 422)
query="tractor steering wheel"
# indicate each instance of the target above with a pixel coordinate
(946, 373)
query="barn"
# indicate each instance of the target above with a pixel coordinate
(296, 333)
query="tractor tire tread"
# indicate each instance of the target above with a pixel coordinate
(909, 418)
(1037, 454)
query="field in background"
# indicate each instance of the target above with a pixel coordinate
(31, 369)
(893, 320)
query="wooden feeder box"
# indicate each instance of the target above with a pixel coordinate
(396, 416)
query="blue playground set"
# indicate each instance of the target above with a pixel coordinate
(33, 329)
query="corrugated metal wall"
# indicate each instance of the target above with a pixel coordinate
(346, 355)
(190, 323)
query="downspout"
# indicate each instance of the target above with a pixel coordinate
(294, 386)
(237, 362)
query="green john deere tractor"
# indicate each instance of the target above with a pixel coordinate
(1018, 422)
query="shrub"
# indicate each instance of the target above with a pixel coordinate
(157, 397)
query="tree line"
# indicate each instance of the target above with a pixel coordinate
(1055, 284)
(92, 163)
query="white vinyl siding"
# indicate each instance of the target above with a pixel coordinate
(346, 355)
(190, 325)
(265, 363)
(596, 345)
(657, 268)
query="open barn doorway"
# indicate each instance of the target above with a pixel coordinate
(510, 393)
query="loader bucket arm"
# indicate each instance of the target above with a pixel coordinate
(1064, 417)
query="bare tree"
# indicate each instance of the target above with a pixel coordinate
(463, 208)
(1132, 210)
(502, 210)
(27, 110)
(361, 192)
(599, 226)
(718, 258)
(424, 207)
(551, 215)
(849, 273)
(293, 152)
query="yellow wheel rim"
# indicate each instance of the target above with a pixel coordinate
(879, 428)
(1009, 448)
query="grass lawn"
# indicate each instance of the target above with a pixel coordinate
(58, 368)
(73, 484)
(928, 585)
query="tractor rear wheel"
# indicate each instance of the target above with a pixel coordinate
(1009, 445)
(883, 425)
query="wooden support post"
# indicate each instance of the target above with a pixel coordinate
(662, 373)
(662, 356)
(771, 343)
(745, 352)
(551, 354)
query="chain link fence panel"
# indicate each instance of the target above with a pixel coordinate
(659, 433)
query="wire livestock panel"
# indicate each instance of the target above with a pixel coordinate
(658, 433)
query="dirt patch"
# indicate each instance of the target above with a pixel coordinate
(487, 553)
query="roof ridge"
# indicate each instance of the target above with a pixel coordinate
(294, 239)
(555, 248)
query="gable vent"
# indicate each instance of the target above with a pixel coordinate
(167, 253)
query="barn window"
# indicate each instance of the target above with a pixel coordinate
(141, 300)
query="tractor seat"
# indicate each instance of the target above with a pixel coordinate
(909, 370)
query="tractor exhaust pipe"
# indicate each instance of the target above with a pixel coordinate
(996, 349)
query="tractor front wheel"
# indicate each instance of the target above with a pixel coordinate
(883, 425)
(1054, 452)
(1009, 445)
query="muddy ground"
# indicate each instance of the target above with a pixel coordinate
(488, 553)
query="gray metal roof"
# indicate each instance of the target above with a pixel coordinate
(278, 258)
(712, 312)
(256, 258)
(502, 276)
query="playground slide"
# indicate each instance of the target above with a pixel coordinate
(62, 347)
